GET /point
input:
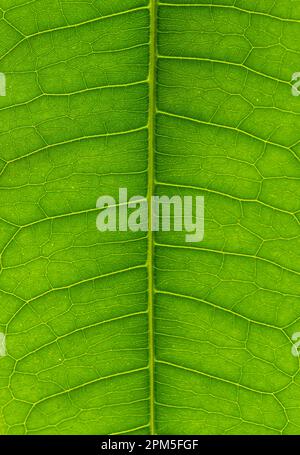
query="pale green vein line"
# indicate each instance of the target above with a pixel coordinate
(94, 381)
(221, 414)
(21, 5)
(75, 92)
(229, 253)
(230, 7)
(131, 430)
(73, 26)
(216, 378)
(10, 223)
(80, 329)
(226, 63)
(218, 307)
(76, 139)
(227, 127)
(151, 189)
(12, 295)
(52, 218)
(78, 283)
(88, 280)
(241, 200)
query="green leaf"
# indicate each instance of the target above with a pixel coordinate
(124, 332)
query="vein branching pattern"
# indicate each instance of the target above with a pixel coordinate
(134, 332)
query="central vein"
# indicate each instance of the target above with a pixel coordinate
(151, 185)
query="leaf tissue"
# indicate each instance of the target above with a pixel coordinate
(135, 332)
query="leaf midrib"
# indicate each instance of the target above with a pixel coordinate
(150, 193)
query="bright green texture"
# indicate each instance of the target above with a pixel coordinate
(74, 303)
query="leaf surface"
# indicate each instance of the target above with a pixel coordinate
(129, 332)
